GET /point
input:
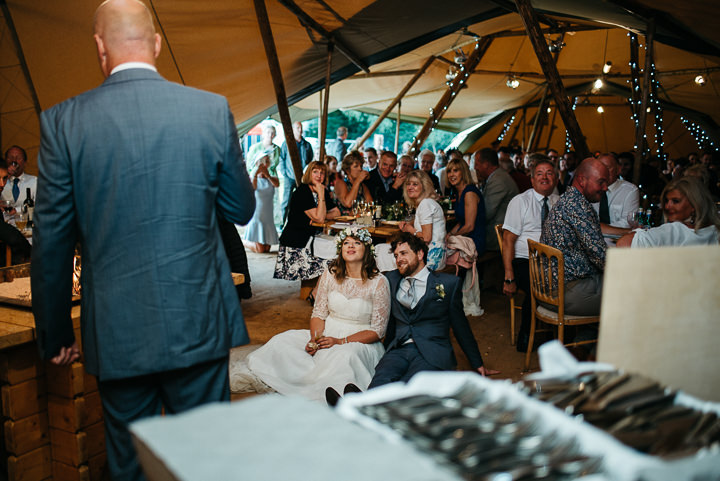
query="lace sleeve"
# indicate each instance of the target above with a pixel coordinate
(381, 306)
(321, 300)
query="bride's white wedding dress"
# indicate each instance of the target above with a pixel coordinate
(347, 307)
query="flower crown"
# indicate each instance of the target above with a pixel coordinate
(363, 235)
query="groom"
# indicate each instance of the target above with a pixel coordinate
(424, 306)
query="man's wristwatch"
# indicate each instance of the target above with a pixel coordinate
(509, 281)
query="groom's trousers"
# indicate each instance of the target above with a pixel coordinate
(400, 364)
(127, 400)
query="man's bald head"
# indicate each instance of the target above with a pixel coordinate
(124, 32)
(613, 166)
(591, 179)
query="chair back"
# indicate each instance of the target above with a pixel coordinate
(499, 234)
(545, 263)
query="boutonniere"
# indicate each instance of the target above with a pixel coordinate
(440, 289)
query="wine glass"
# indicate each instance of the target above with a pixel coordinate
(7, 206)
(635, 218)
(21, 221)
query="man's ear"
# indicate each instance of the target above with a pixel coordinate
(102, 55)
(158, 45)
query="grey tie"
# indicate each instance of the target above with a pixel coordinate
(406, 297)
(545, 209)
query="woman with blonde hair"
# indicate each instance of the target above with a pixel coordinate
(691, 218)
(429, 221)
(469, 207)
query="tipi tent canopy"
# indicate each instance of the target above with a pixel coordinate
(47, 55)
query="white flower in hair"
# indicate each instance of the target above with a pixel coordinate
(363, 235)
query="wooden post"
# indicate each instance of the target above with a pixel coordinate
(451, 93)
(537, 126)
(394, 102)
(280, 96)
(564, 106)
(322, 127)
(397, 129)
(517, 127)
(640, 141)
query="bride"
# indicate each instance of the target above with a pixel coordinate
(343, 344)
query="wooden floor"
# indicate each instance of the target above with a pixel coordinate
(276, 307)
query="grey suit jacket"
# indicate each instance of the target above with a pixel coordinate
(499, 189)
(430, 321)
(136, 171)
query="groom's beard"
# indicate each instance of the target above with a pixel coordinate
(408, 268)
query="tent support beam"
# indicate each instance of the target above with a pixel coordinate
(517, 127)
(21, 56)
(279, 85)
(557, 88)
(326, 105)
(310, 22)
(394, 102)
(640, 141)
(446, 100)
(537, 126)
(397, 128)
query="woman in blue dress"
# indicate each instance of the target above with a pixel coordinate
(260, 232)
(469, 207)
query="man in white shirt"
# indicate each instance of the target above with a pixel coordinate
(18, 181)
(621, 198)
(523, 220)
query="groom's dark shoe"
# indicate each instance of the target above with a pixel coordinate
(350, 387)
(331, 396)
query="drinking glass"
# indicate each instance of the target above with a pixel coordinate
(21, 221)
(635, 218)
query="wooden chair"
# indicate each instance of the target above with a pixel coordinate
(544, 260)
(513, 306)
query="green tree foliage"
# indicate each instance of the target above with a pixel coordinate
(358, 122)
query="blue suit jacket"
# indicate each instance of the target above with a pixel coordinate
(430, 321)
(136, 171)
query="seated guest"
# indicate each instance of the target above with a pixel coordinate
(310, 202)
(352, 188)
(19, 181)
(521, 179)
(285, 169)
(9, 235)
(705, 175)
(469, 206)
(406, 164)
(573, 227)
(426, 159)
(526, 213)
(424, 306)
(429, 222)
(691, 218)
(342, 345)
(499, 189)
(333, 174)
(621, 198)
(385, 187)
(371, 159)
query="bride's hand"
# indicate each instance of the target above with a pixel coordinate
(311, 348)
(327, 342)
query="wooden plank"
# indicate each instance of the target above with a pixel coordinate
(33, 466)
(66, 414)
(24, 399)
(69, 448)
(562, 102)
(72, 415)
(98, 467)
(325, 104)
(66, 381)
(13, 335)
(65, 472)
(26, 434)
(95, 439)
(20, 364)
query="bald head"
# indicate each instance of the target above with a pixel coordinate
(591, 179)
(124, 32)
(613, 166)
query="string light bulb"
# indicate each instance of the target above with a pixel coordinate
(700, 80)
(512, 82)
(600, 109)
(598, 84)
(607, 67)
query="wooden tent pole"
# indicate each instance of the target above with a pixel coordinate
(640, 140)
(538, 126)
(446, 100)
(530, 20)
(517, 127)
(551, 129)
(325, 106)
(397, 128)
(394, 102)
(280, 96)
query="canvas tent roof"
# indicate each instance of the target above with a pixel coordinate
(216, 45)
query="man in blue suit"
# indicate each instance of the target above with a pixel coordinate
(425, 305)
(137, 171)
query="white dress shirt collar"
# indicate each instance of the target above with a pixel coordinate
(129, 65)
